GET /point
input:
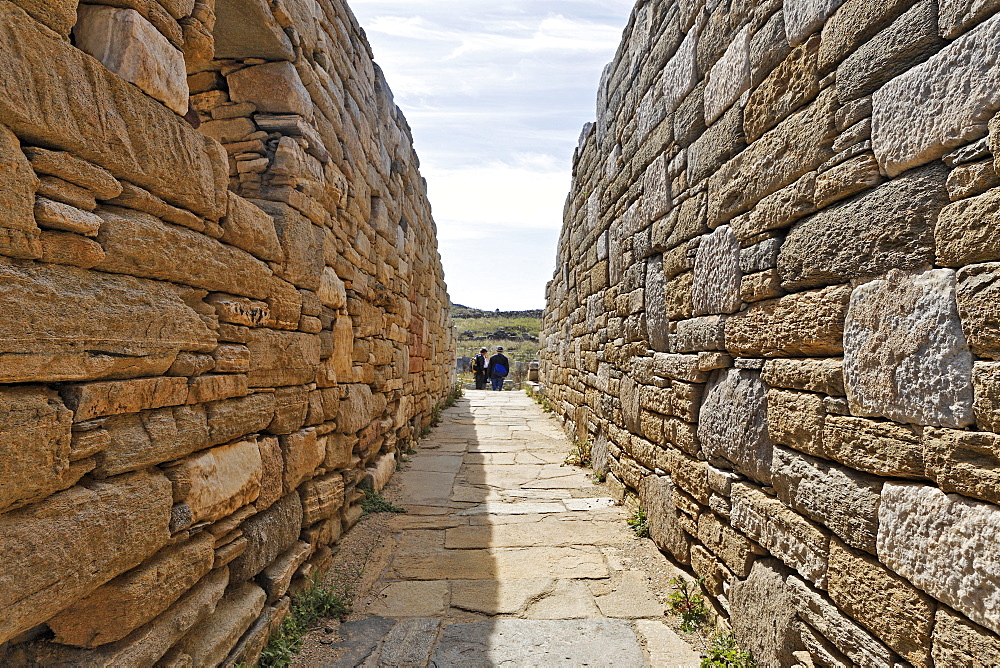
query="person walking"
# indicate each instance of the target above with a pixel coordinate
(498, 369)
(479, 365)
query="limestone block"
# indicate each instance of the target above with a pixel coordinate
(732, 424)
(774, 161)
(804, 17)
(762, 614)
(883, 602)
(216, 482)
(129, 45)
(356, 409)
(113, 397)
(946, 545)
(680, 74)
(377, 476)
(778, 210)
(17, 189)
(209, 643)
(729, 77)
(61, 549)
(138, 440)
(52, 187)
(784, 533)
(796, 419)
(804, 324)
(272, 87)
(248, 29)
(656, 494)
(34, 445)
(792, 83)
(846, 179)
(760, 256)
(71, 249)
(841, 499)
(768, 48)
(955, 88)
(58, 319)
(142, 647)
(890, 227)
(858, 645)
(54, 215)
(657, 319)
(276, 577)
(905, 356)
(964, 462)
(717, 275)
(957, 16)
(656, 200)
(966, 230)
(131, 600)
(977, 292)
(268, 534)
(217, 386)
(911, 39)
(322, 498)
(986, 385)
(689, 368)
(734, 549)
(272, 472)
(689, 474)
(302, 243)
(701, 334)
(248, 227)
(969, 180)
(282, 358)
(821, 375)
(79, 172)
(882, 448)
(103, 119)
(301, 453)
(958, 642)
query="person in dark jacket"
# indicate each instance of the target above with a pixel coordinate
(498, 369)
(479, 365)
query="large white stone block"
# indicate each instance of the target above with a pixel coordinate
(717, 274)
(955, 16)
(732, 424)
(804, 17)
(657, 189)
(680, 75)
(132, 48)
(729, 78)
(941, 104)
(945, 544)
(905, 355)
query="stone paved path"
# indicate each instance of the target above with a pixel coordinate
(507, 558)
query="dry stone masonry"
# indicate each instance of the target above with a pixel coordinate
(222, 311)
(776, 316)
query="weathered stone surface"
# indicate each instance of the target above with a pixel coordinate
(733, 548)
(882, 448)
(955, 88)
(986, 385)
(656, 493)
(129, 45)
(114, 397)
(700, 334)
(135, 441)
(271, 87)
(59, 323)
(66, 546)
(804, 324)
(964, 462)
(969, 180)
(778, 210)
(794, 82)
(958, 642)
(784, 533)
(301, 452)
(905, 355)
(729, 77)
(717, 275)
(301, 242)
(911, 39)
(966, 231)
(657, 320)
(882, 601)
(841, 499)
(322, 498)
(268, 534)
(17, 195)
(848, 178)
(209, 643)
(890, 227)
(71, 249)
(131, 240)
(103, 119)
(803, 17)
(812, 375)
(131, 600)
(857, 644)
(977, 292)
(54, 215)
(956, 16)
(281, 358)
(34, 445)
(856, 22)
(216, 482)
(796, 419)
(250, 228)
(946, 545)
(74, 170)
(248, 29)
(276, 577)
(762, 614)
(774, 161)
(680, 73)
(356, 409)
(732, 424)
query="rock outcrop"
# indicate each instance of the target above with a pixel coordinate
(775, 313)
(223, 310)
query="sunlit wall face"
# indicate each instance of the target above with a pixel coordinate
(496, 94)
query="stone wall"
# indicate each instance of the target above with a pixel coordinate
(776, 316)
(222, 310)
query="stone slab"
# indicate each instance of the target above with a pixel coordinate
(732, 423)
(411, 599)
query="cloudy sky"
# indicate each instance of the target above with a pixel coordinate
(496, 92)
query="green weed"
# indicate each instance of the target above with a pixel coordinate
(639, 523)
(308, 607)
(688, 603)
(580, 455)
(600, 476)
(374, 503)
(725, 653)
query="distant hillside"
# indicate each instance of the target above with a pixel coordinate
(459, 311)
(516, 331)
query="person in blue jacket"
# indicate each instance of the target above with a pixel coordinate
(498, 369)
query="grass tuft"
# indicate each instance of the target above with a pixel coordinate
(308, 607)
(375, 503)
(725, 653)
(580, 455)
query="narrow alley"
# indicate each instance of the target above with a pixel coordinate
(507, 557)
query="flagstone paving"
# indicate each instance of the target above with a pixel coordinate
(506, 557)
